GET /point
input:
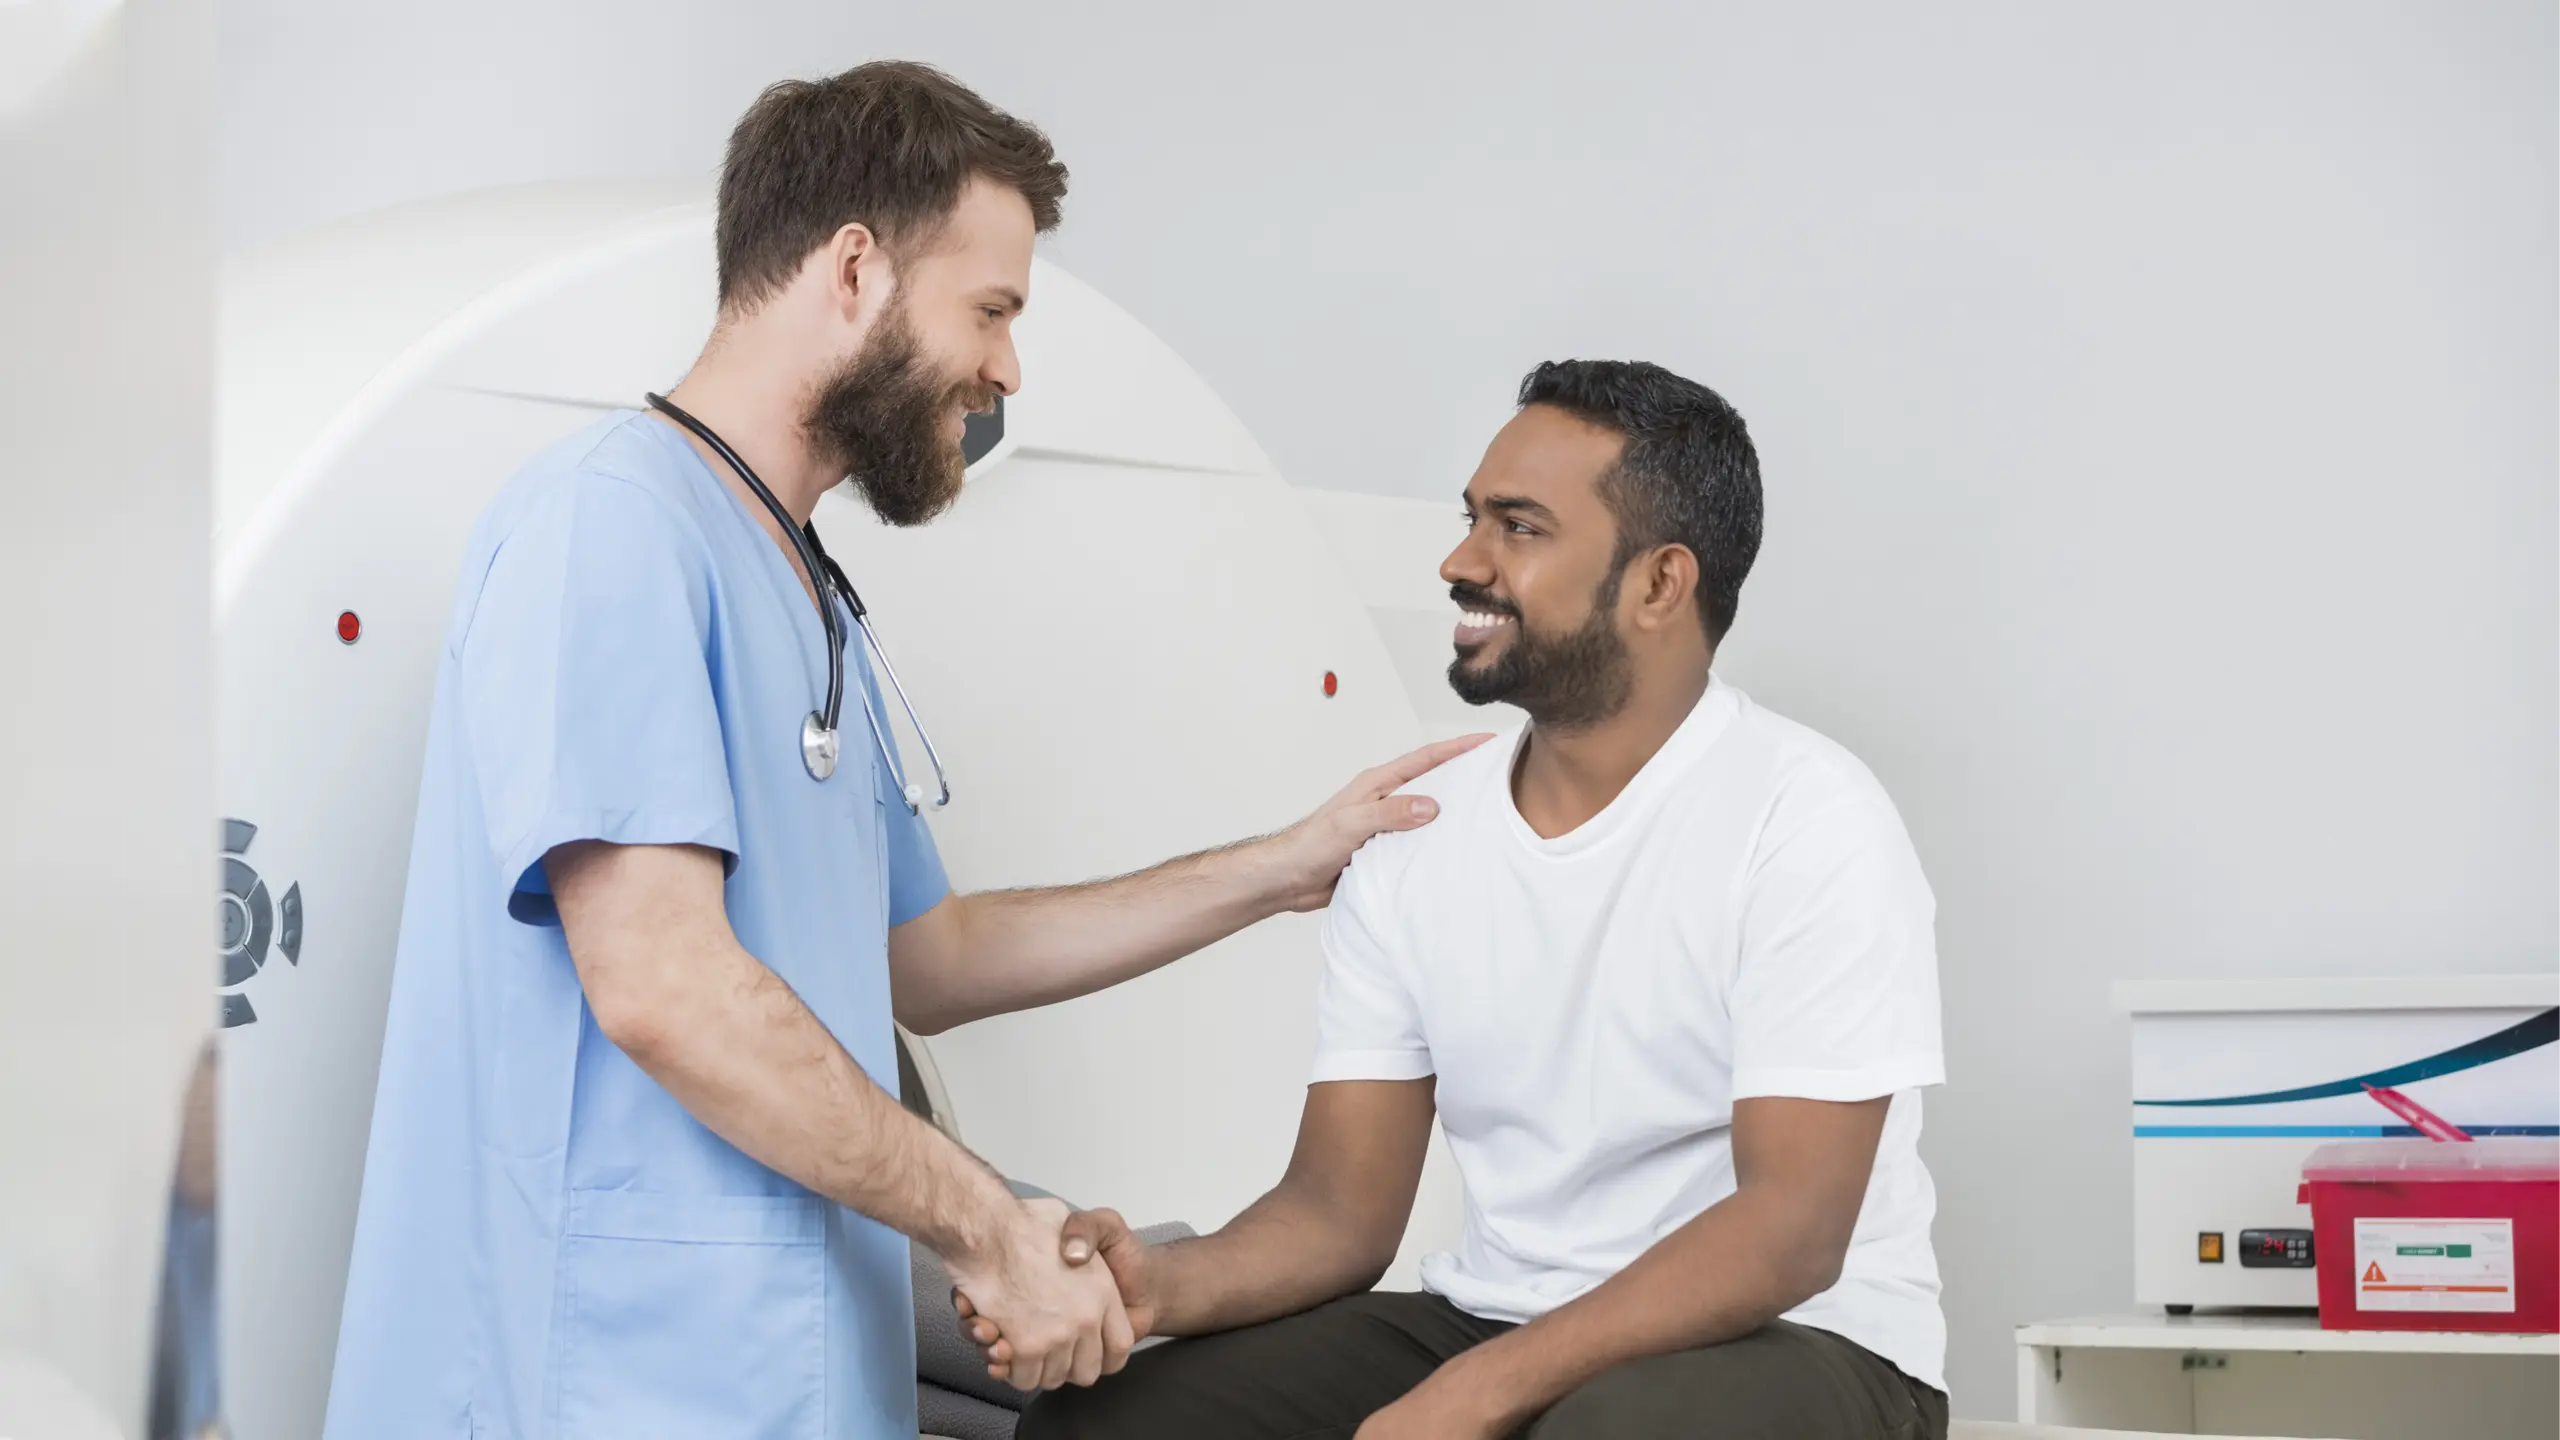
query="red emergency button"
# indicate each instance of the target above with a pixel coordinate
(349, 627)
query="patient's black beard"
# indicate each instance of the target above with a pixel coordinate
(882, 417)
(1563, 681)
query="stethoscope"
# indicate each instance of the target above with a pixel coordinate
(818, 732)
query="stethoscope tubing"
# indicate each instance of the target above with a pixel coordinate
(830, 581)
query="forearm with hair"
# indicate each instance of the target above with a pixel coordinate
(755, 1066)
(669, 983)
(1004, 950)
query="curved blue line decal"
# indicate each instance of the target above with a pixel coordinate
(2321, 1132)
(2533, 1034)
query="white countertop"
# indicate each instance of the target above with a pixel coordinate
(2380, 992)
(2293, 1332)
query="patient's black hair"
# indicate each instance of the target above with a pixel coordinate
(1688, 475)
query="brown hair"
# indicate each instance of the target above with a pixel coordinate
(889, 145)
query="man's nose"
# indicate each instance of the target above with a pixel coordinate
(1467, 564)
(1003, 369)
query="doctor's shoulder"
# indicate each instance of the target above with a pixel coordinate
(588, 511)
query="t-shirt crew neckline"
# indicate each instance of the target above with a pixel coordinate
(1697, 733)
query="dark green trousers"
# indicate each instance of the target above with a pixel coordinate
(1316, 1376)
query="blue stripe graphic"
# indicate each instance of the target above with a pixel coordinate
(2323, 1132)
(2533, 1034)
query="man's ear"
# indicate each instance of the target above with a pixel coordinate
(1666, 586)
(860, 278)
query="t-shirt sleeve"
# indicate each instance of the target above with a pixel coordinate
(1836, 992)
(1368, 1026)
(584, 687)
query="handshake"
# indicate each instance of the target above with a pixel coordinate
(1044, 1314)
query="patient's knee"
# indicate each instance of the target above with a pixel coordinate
(1071, 1414)
(1618, 1405)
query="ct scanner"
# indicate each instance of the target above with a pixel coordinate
(1130, 639)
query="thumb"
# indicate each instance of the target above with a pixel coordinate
(1088, 1233)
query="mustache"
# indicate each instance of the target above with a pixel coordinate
(1476, 597)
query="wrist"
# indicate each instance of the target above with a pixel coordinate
(1258, 873)
(1170, 1300)
(1495, 1384)
(988, 1235)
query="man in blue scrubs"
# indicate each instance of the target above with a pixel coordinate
(633, 1172)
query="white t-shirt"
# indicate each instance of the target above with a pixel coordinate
(1746, 919)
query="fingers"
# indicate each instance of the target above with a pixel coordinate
(1118, 1339)
(1405, 769)
(1087, 1366)
(982, 1332)
(1024, 1373)
(1370, 801)
(1396, 812)
(1059, 1365)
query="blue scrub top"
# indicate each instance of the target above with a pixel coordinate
(549, 1247)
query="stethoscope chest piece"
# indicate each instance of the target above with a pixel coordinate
(817, 746)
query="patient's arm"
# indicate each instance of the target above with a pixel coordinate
(1329, 1228)
(1800, 1168)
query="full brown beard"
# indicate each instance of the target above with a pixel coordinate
(882, 417)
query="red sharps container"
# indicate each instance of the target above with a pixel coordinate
(2418, 1234)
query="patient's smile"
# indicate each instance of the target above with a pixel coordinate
(1477, 626)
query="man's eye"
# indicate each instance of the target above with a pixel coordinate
(1520, 528)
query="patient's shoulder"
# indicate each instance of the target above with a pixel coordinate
(1809, 782)
(1470, 778)
(1465, 789)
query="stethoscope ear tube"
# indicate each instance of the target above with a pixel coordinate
(914, 794)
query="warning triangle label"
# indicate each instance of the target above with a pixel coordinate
(2373, 1273)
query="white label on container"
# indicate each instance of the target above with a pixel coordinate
(2436, 1265)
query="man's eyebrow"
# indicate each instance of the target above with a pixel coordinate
(1514, 505)
(1013, 300)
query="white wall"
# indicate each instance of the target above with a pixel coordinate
(106, 825)
(2156, 403)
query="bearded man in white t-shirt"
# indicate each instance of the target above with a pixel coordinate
(1663, 969)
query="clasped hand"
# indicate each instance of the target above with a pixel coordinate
(1062, 1320)
(1082, 1236)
